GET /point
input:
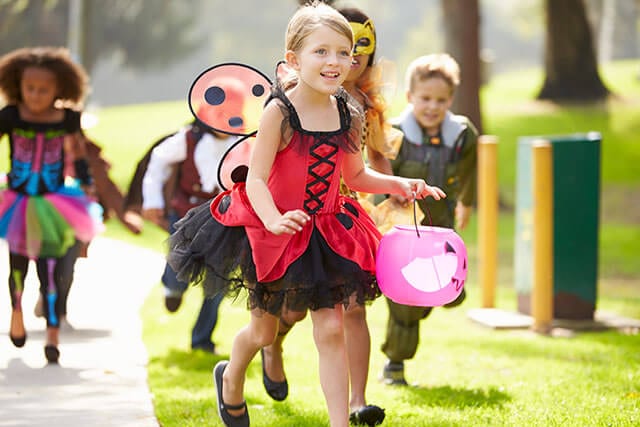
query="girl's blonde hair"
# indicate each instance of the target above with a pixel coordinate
(440, 65)
(309, 18)
(306, 20)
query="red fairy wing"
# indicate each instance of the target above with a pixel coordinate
(229, 98)
(235, 163)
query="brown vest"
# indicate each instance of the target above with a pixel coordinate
(185, 179)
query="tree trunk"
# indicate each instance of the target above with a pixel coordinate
(462, 41)
(570, 61)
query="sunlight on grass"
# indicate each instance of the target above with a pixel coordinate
(464, 374)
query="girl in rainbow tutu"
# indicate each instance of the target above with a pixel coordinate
(46, 206)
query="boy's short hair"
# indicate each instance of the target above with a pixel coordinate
(435, 65)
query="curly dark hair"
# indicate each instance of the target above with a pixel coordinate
(71, 77)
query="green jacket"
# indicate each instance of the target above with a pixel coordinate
(450, 165)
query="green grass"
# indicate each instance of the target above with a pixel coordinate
(468, 375)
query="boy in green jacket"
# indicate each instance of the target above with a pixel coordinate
(439, 147)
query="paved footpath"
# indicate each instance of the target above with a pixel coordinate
(101, 380)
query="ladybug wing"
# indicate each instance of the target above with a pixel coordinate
(229, 98)
(234, 164)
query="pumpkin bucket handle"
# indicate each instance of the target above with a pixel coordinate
(415, 215)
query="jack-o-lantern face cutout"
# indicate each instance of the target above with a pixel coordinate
(229, 98)
(426, 269)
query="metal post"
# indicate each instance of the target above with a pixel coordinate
(487, 217)
(75, 36)
(542, 292)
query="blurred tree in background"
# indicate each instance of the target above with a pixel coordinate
(141, 33)
(571, 67)
(462, 41)
(146, 51)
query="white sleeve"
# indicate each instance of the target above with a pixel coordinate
(170, 151)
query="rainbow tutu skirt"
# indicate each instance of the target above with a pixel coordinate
(47, 225)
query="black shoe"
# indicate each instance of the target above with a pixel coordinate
(276, 390)
(228, 419)
(18, 341)
(172, 303)
(393, 373)
(52, 353)
(370, 415)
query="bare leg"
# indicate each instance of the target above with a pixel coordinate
(358, 344)
(260, 331)
(53, 334)
(273, 362)
(17, 324)
(328, 333)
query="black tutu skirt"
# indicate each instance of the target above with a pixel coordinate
(205, 252)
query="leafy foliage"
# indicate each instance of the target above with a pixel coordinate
(142, 34)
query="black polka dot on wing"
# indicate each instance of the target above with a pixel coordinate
(236, 122)
(257, 90)
(239, 174)
(214, 95)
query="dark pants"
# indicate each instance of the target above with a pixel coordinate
(208, 316)
(403, 328)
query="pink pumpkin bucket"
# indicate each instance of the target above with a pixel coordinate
(422, 266)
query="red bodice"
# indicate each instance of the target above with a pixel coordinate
(305, 175)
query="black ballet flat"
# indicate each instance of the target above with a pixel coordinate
(18, 341)
(52, 353)
(229, 420)
(370, 415)
(277, 390)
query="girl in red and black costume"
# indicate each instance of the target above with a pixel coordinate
(287, 235)
(43, 215)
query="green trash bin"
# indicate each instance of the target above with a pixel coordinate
(576, 207)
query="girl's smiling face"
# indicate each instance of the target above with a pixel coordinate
(39, 89)
(324, 60)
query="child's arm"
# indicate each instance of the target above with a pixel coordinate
(360, 178)
(264, 151)
(162, 159)
(378, 162)
(75, 147)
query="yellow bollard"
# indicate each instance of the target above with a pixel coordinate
(487, 217)
(542, 292)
